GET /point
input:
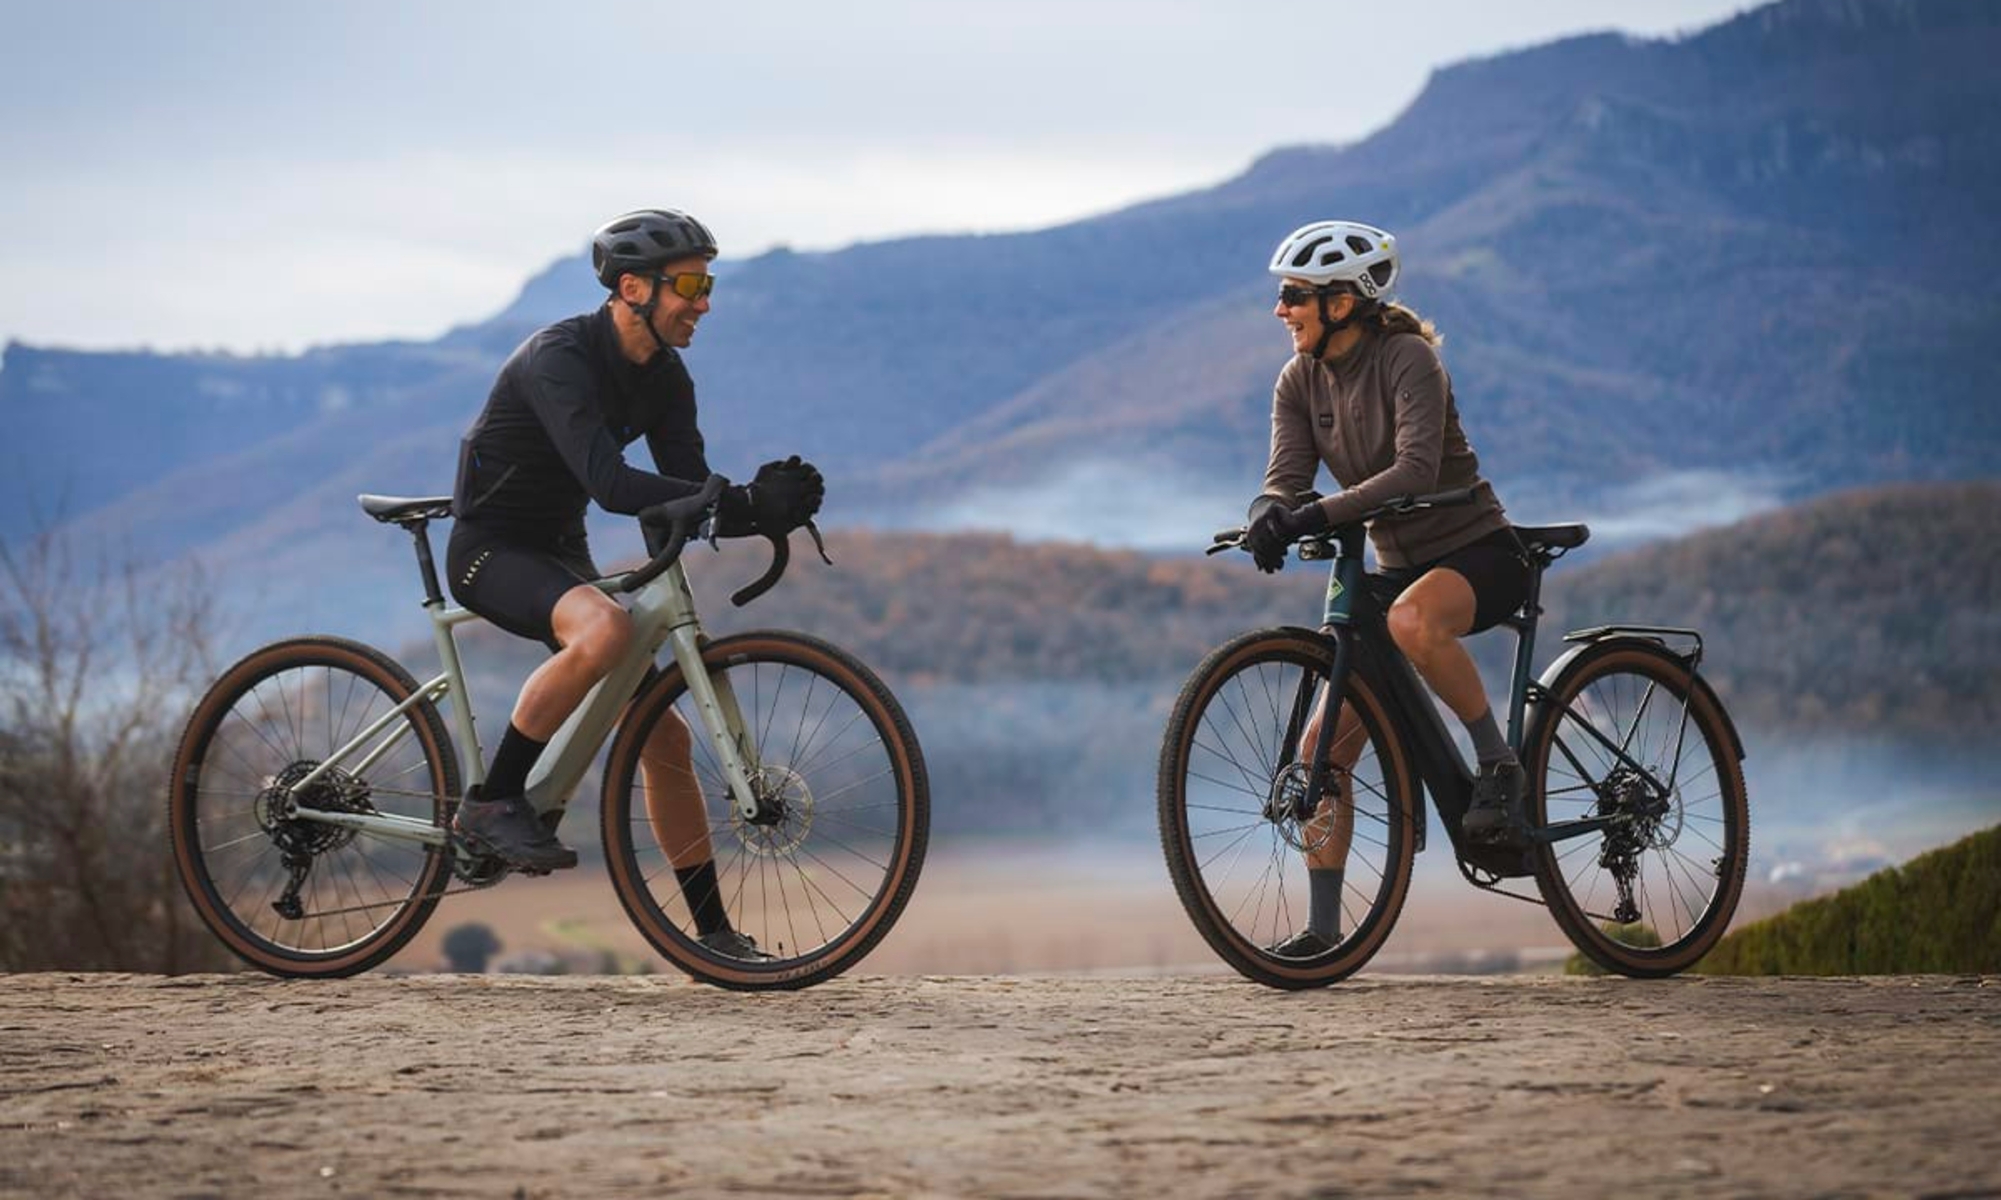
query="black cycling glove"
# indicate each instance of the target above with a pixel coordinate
(789, 491)
(783, 495)
(1274, 527)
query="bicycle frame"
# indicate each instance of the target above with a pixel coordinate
(1352, 611)
(663, 611)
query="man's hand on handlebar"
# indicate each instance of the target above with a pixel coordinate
(784, 495)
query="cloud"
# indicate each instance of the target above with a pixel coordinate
(283, 175)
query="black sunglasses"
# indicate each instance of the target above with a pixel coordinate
(688, 285)
(1291, 296)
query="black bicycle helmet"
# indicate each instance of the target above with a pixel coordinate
(640, 241)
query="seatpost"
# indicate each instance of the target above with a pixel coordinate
(420, 533)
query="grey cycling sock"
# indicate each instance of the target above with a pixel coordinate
(1488, 744)
(1323, 917)
(511, 763)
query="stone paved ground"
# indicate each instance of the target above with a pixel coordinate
(990, 1086)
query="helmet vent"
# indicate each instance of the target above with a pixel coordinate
(1305, 254)
(1359, 245)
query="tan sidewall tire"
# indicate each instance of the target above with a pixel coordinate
(1209, 920)
(1714, 728)
(368, 663)
(858, 682)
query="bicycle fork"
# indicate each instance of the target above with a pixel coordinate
(722, 721)
(1338, 620)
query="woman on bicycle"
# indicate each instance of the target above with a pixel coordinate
(1366, 394)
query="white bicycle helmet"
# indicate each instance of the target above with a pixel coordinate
(1339, 252)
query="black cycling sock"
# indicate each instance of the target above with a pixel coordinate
(511, 763)
(1323, 914)
(698, 887)
(1488, 744)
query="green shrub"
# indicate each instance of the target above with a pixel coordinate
(1938, 913)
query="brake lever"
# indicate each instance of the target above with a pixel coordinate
(819, 543)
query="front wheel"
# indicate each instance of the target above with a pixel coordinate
(289, 894)
(811, 885)
(1243, 843)
(1628, 737)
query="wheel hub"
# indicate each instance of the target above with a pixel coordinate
(784, 812)
(334, 791)
(1287, 807)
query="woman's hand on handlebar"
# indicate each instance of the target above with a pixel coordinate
(1275, 527)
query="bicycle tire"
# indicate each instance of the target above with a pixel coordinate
(814, 855)
(222, 783)
(1632, 691)
(1283, 660)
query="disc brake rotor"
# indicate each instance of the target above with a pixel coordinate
(785, 813)
(1284, 803)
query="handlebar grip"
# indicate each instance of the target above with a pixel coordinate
(681, 517)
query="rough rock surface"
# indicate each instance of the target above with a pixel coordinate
(994, 1086)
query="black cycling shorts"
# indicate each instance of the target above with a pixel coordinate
(516, 583)
(1495, 565)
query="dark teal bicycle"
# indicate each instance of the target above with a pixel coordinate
(1636, 830)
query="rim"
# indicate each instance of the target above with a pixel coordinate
(358, 884)
(1674, 852)
(1245, 848)
(816, 872)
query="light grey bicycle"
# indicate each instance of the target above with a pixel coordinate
(313, 790)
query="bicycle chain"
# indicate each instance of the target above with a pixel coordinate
(450, 891)
(505, 871)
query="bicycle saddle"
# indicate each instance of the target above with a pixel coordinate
(1541, 539)
(403, 510)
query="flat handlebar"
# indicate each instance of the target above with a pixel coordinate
(1233, 539)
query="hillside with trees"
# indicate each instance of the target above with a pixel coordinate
(1870, 611)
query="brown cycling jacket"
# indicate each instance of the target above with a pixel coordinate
(1383, 419)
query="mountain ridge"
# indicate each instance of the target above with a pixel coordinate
(1636, 275)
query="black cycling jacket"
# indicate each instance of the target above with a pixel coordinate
(551, 437)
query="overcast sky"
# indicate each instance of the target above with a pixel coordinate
(272, 174)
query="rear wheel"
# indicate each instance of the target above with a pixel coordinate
(820, 876)
(289, 894)
(1230, 797)
(1627, 732)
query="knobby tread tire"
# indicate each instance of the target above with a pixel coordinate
(294, 653)
(913, 790)
(1298, 647)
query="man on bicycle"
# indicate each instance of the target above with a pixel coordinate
(549, 441)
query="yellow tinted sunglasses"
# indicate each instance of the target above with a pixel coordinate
(688, 285)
